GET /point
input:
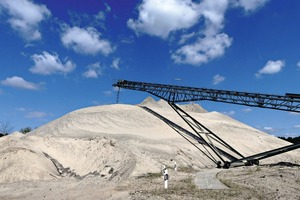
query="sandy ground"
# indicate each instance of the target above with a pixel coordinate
(256, 182)
(117, 152)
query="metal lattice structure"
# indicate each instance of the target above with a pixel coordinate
(222, 154)
(175, 94)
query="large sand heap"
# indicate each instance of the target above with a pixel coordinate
(114, 142)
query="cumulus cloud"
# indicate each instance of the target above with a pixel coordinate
(272, 67)
(213, 14)
(88, 20)
(160, 17)
(202, 51)
(218, 79)
(116, 63)
(85, 41)
(47, 64)
(211, 43)
(250, 5)
(94, 70)
(19, 82)
(185, 37)
(24, 17)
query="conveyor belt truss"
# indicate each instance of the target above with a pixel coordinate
(227, 155)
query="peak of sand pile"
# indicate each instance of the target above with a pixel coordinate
(163, 103)
(149, 101)
(115, 142)
(193, 108)
(16, 134)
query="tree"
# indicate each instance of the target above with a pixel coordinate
(6, 128)
(295, 140)
(26, 130)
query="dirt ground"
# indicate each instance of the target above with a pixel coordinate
(256, 182)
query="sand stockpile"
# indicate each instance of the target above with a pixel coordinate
(115, 143)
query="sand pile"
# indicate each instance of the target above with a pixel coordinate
(115, 142)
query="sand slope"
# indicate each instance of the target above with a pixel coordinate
(115, 142)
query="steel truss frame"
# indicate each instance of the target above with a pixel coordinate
(208, 136)
(200, 139)
(175, 94)
(204, 136)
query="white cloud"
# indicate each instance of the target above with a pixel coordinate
(204, 50)
(116, 63)
(294, 113)
(211, 44)
(19, 82)
(297, 126)
(269, 129)
(112, 92)
(186, 37)
(21, 109)
(272, 67)
(94, 70)
(85, 41)
(88, 20)
(250, 5)
(47, 64)
(90, 73)
(25, 16)
(298, 64)
(107, 8)
(218, 79)
(127, 40)
(230, 113)
(246, 110)
(213, 13)
(108, 93)
(100, 16)
(160, 17)
(35, 114)
(177, 79)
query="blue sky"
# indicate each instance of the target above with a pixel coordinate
(59, 56)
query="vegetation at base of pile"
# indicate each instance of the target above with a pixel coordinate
(5, 128)
(150, 175)
(26, 130)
